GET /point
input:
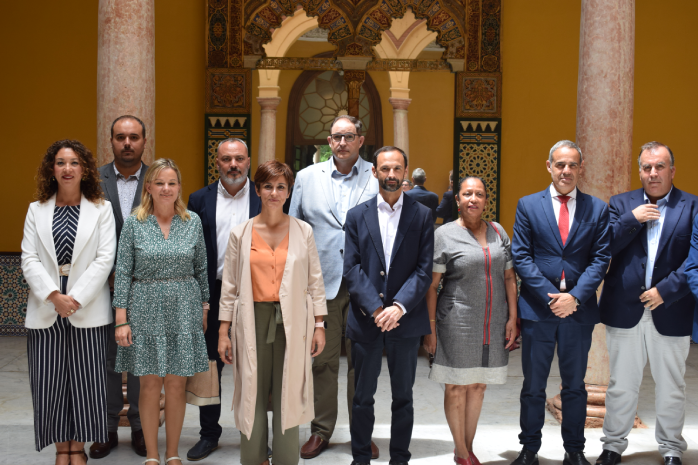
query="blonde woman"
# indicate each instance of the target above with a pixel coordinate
(161, 299)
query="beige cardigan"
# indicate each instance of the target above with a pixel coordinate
(302, 297)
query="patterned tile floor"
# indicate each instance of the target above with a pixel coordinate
(496, 442)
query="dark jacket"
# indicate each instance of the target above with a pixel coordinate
(540, 257)
(620, 300)
(445, 208)
(111, 192)
(426, 198)
(409, 277)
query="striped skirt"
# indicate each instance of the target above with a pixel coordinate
(68, 379)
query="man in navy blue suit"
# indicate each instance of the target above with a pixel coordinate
(561, 250)
(647, 305)
(387, 266)
(421, 194)
(221, 205)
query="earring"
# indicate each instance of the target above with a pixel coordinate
(84, 178)
(458, 205)
(53, 178)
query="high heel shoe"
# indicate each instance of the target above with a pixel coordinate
(474, 459)
(76, 452)
(462, 461)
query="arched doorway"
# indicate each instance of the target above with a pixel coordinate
(317, 97)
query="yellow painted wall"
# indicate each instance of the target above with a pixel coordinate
(48, 92)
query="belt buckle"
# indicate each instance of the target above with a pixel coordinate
(64, 270)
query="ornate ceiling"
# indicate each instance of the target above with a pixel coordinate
(355, 26)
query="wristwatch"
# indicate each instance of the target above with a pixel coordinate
(321, 324)
(576, 300)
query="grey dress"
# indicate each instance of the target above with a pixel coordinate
(162, 283)
(472, 311)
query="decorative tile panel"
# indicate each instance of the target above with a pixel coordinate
(218, 128)
(14, 292)
(478, 95)
(228, 90)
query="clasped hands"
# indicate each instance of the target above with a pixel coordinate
(562, 304)
(65, 304)
(387, 318)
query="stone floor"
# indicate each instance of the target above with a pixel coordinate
(496, 442)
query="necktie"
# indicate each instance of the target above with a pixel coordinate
(564, 222)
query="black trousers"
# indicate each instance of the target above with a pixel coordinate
(538, 347)
(402, 365)
(209, 415)
(68, 380)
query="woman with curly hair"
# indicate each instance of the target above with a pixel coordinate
(161, 300)
(68, 251)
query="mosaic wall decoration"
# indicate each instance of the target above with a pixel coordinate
(477, 148)
(479, 95)
(218, 128)
(228, 90)
(14, 292)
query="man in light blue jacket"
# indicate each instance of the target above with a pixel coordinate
(322, 195)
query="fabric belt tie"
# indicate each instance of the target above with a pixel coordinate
(64, 270)
(273, 321)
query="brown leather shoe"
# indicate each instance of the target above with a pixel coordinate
(99, 450)
(374, 451)
(138, 442)
(313, 447)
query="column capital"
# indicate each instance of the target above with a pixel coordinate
(400, 103)
(269, 103)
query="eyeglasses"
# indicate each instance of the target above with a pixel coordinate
(349, 137)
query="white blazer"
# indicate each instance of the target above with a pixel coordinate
(93, 256)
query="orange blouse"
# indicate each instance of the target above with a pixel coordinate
(267, 268)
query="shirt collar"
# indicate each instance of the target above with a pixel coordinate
(222, 190)
(661, 202)
(555, 193)
(386, 207)
(136, 175)
(335, 171)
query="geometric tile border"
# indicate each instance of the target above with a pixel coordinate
(14, 292)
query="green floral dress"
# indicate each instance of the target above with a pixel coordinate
(162, 284)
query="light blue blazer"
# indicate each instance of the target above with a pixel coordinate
(313, 202)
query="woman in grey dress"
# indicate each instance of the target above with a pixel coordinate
(473, 322)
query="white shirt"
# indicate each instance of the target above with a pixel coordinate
(127, 188)
(388, 220)
(230, 212)
(571, 208)
(654, 232)
(571, 204)
(342, 186)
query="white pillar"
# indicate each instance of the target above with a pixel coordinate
(401, 130)
(267, 129)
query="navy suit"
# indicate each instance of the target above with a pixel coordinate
(620, 301)
(372, 283)
(445, 208)
(425, 197)
(203, 203)
(539, 259)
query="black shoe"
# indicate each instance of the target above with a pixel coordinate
(99, 450)
(526, 457)
(138, 443)
(608, 457)
(201, 450)
(671, 460)
(392, 462)
(575, 458)
(354, 462)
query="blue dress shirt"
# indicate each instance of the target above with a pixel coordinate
(342, 186)
(654, 232)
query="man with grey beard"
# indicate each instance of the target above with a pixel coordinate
(221, 205)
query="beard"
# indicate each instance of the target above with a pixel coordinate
(389, 188)
(234, 181)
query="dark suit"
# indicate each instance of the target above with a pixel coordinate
(203, 203)
(539, 259)
(634, 334)
(445, 209)
(426, 198)
(372, 284)
(115, 397)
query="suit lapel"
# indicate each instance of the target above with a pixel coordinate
(139, 191)
(578, 215)
(362, 182)
(406, 216)
(374, 229)
(673, 212)
(87, 223)
(210, 202)
(547, 204)
(326, 183)
(44, 226)
(113, 194)
(636, 199)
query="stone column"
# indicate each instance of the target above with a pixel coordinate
(267, 129)
(125, 70)
(401, 132)
(604, 133)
